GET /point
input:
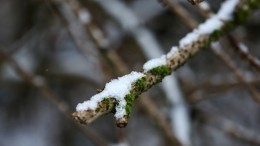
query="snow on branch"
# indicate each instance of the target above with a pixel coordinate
(118, 95)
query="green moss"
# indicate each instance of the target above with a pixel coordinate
(161, 70)
(242, 16)
(98, 110)
(141, 84)
(107, 102)
(215, 35)
(129, 103)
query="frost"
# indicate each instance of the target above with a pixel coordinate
(153, 63)
(118, 89)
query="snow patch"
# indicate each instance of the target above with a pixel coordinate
(174, 50)
(118, 89)
(153, 63)
(227, 9)
(215, 22)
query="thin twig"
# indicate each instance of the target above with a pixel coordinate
(216, 48)
(243, 51)
(184, 16)
(203, 90)
(229, 127)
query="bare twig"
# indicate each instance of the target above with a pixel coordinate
(228, 61)
(203, 90)
(194, 2)
(185, 17)
(75, 24)
(232, 129)
(243, 51)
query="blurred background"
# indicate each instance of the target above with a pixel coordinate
(57, 53)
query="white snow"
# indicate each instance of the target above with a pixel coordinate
(118, 89)
(153, 63)
(213, 23)
(209, 26)
(227, 9)
(189, 38)
(174, 50)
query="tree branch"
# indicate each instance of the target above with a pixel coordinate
(189, 46)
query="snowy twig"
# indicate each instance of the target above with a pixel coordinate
(217, 50)
(151, 48)
(118, 95)
(40, 83)
(121, 68)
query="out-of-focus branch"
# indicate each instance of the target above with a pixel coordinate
(231, 128)
(175, 59)
(203, 90)
(75, 23)
(184, 15)
(40, 83)
(228, 61)
(243, 51)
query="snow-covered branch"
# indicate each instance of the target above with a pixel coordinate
(118, 95)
